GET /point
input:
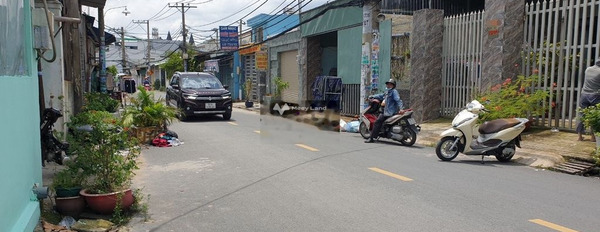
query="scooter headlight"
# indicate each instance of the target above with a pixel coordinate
(470, 107)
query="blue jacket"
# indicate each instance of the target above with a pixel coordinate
(393, 104)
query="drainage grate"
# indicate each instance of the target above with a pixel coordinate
(575, 167)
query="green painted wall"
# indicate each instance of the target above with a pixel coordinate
(332, 20)
(21, 165)
(349, 51)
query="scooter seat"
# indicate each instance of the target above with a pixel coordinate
(497, 125)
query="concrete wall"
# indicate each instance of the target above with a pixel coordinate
(53, 73)
(426, 69)
(21, 167)
(287, 42)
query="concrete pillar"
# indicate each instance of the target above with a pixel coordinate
(502, 41)
(426, 64)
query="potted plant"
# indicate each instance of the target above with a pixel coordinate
(147, 116)
(67, 184)
(591, 119)
(248, 89)
(514, 98)
(280, 86)
(107, 157)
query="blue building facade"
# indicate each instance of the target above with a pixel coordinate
(263, 27)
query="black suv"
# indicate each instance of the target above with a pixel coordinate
(199, 93)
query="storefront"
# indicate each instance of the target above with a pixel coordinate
(254, 69)
(283, 62)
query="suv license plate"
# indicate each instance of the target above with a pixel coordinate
(412, 121)
(210, 105)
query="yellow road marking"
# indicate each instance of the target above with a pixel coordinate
(552, 225)
(258, 132)
(233, 123)
(384, 172)
(307, 147)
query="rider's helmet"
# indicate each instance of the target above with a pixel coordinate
(391, 81)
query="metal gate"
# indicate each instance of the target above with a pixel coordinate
(250, 72)
(461, 70)
(350, 99)
(562, 39)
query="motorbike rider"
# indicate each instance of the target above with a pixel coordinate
(392, 105)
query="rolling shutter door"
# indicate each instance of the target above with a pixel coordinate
(289, 73)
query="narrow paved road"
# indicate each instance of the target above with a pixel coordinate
(258, 173)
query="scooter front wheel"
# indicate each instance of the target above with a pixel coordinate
(364, 130)
(444, 151)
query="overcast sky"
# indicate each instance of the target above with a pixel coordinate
(208, 11)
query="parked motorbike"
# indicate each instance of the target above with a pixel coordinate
(497, 137)
(52, 148)
(400, 127)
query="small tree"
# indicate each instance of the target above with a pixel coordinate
(112, 70)
(248, 88)
(280, 86)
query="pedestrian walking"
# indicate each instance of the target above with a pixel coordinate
(590, 95)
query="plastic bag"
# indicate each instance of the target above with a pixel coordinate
(67, 222)
(352, 126)
(343, 124)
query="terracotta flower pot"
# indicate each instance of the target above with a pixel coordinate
(106, 203)
(70, 206)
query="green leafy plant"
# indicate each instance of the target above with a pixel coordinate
(100, 102)
(112, 70)
(106, 155)
(514, 98)
(146, 111)
(70, 177)
(280, 86)
(590, 116)
(248, 88)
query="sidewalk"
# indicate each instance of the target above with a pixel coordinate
(539, 148)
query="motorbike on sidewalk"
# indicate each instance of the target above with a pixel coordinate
(401, 127)
(498, 137)
(52, 148)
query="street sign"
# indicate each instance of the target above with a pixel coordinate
(229, 37)
(261, 61)
(211, 66)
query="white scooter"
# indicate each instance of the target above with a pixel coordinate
(497, 137)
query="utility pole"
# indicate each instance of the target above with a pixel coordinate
(371, 10)
(240, 34)
(102, 53)
(147, 22)
(123, 49)
(184, 31)
(299, 7)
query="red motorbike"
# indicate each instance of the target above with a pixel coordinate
(401, 127)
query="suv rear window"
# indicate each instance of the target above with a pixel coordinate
(200, 81)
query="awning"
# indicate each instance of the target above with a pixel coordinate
(94, 32)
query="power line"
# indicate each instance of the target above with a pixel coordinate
(156, 20)
(237, 12)
(155, 16)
